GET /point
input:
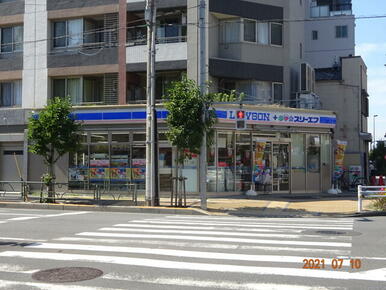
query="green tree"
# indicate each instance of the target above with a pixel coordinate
(51, 134)
(378, 156)
(186, 105)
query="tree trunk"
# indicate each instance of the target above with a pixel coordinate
(50, 185)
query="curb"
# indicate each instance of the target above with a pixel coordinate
(368, 214)
(126, 209)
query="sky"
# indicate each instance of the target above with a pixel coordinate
(371, 45)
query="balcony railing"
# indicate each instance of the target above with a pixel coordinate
(165, 34)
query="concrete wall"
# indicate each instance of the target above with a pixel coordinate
(327, 49)
(35, 78)
(12, 8)
(67, 4)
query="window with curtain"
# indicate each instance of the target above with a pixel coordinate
(11, 39)
(249, 30)
(80, 90)
(263, 33)
(230, 30)
(276, 34)
(10, 94)
(277, 93)
(75, 32)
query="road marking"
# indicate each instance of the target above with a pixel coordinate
(211, 284)
(8, 268)
(263, 219)
(8, 283)
(207, 228)
(67, 213)
(372, 275)
(21, 239)
(255, 225)
(206, 245)
(218, 233)
(181, 253)
(25, 218)
(23, 214)
(216, 239)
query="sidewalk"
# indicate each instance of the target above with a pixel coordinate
(234, 205)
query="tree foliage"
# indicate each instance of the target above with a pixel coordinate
(186, 105)
(53, 133)
(378, 156)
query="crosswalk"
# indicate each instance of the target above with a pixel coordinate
(196, 252)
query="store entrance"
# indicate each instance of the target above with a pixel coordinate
(271, 167)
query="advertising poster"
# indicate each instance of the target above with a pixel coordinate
(99, 174)
(138, 173)
(339, 158)
(259, 165)
(118, 174)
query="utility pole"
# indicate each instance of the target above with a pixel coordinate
(203, 150)
(150, 17)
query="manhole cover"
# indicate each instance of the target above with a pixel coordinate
(67, 274)
(331, 233)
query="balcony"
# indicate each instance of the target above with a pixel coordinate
(328, 8)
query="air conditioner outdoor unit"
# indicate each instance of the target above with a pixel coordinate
(307, 78)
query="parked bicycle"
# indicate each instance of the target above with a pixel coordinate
(345, 183)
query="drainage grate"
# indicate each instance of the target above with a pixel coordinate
(67, 274)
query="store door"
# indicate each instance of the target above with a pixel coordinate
(281, 168)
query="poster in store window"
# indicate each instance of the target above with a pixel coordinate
(99, 174)
(259, 165)
(118, 174)
(339, 158)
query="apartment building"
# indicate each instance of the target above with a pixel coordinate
(95, 52)
(341, 78)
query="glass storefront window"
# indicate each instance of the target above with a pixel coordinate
(211, 178)
(139, 137)
(99, 137)
(313, 153)
(120, 158)
(99, 163)
(138, 166)
(165, 168)
(78, 170)
(243, 162)
(120, 138)
(226, 162)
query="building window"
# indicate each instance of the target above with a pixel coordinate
(301, 50)
(263, 33)
(341, 31)
(79, 32)
(10, 94)
(81, 90)
(314, 35)
(11, 39)
(277, 34)
(249, 30)
(230, 31)
(277, 92)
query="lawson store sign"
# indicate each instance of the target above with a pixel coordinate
(262, 117)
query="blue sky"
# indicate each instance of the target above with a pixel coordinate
(371, 45)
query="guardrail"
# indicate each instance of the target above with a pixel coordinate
(369, 192)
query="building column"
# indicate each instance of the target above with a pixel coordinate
(122, 52)
(35, 73)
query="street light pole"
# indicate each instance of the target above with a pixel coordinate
(374, 142)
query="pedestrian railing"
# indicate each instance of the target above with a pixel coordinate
(16, 190)
(369, 192)
(178, 193)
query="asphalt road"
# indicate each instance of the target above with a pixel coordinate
(138, 251)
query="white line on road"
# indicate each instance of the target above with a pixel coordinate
(8, 268)
(218, 233)
(216, 239)
(43, 286)
(211, 284)
(21, 239)
(255, 225)
(206, 245)
(185, 227)
(182, 253)
(24, 218)
(243, 219)
(372, 275)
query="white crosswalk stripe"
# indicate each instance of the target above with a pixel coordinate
(229, 253)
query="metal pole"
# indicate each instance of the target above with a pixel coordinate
(374, 139)
(359, 198)
(149, 17)
(203, 153)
